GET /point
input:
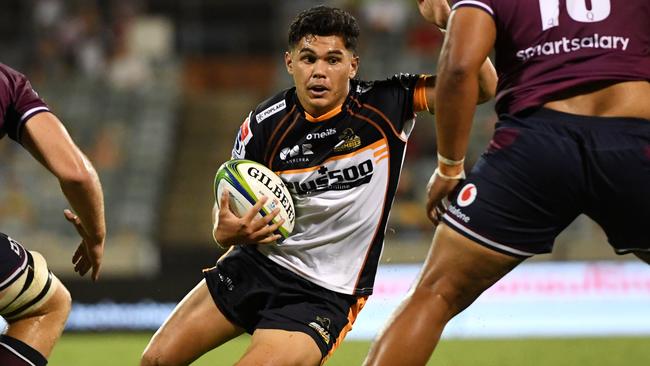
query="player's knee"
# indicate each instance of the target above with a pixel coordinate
(153, 355)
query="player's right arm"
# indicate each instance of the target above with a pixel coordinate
(45, 137)
(229, 230)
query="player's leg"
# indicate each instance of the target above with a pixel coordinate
(456, 272)
(33, 302)
(281, 348)
(195, 326)
(38, 330)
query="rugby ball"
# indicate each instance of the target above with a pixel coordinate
(247, 181)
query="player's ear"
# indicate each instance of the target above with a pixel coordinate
(354, 66)
(288, 62)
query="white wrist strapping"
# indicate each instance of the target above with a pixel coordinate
(450, 162)
(458, 176)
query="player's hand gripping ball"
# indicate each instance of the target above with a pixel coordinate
(247, 181)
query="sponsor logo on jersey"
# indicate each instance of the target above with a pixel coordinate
(458, 213)
(296, 154)
(243, 137)
(347, 141)
(467, 195)
(321, 326)
(334, 179)
(268, 112)
(567, 45)
(320, 135)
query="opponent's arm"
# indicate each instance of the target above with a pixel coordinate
(47, 140)
(435, 11)
(438, 12)
(470, 38)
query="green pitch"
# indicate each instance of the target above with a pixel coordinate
(124, 349)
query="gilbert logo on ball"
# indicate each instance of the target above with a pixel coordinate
(467, 195)
(247, 181)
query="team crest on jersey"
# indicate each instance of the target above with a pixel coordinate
(347, 141)
(467, 195)
(268, 112)
(243, 137)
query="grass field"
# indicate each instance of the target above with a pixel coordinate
(123, 349)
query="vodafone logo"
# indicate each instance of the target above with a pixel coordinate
(467, 195)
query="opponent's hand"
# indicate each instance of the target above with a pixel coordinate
(435, 11)
(438, 189)
(89, 253)
(248, 229)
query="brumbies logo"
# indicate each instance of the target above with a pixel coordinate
(467, 195)
(348, 141)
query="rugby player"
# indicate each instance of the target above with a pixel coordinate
(33, 301)
(573, 138)
(338, 143)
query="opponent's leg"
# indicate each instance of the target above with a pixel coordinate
(38, 329)
(456, 272)
(194, 327)
(281, 348)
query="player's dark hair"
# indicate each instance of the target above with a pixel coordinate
(325, 21)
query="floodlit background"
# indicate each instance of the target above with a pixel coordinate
(154, 92)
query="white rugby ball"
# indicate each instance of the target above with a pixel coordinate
(247, 181)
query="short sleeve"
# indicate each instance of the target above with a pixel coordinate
(485, 5)
(19, 103)
(246, 144)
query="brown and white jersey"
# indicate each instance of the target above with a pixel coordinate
(342, 170)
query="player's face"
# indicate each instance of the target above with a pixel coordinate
(321, 67)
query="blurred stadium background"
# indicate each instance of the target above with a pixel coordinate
(154, 92)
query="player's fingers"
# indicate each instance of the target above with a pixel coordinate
(224, 200)
(78, 254)
(275, 226)
(82, 267)
(431, 212)
(264, 222)
(270, 239)
(250, 215)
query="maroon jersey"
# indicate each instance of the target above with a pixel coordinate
(547, 47)
(18, 102)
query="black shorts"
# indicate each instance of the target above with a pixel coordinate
(13, 260)
(255, 293)
(542, 169)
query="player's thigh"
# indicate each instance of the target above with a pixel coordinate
(41, 327)
(278, 347)
(194, 327)
(459, 269)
